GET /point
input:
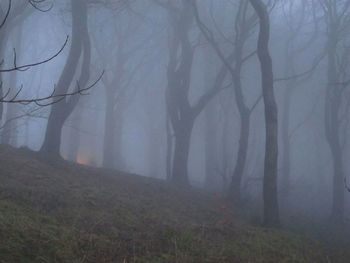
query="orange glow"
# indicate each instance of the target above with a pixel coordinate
(82, 160)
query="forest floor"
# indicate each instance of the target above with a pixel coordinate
(56, 211)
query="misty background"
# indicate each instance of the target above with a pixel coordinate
(162, 103)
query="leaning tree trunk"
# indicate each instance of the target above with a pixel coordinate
(80, 46)
(271, 210)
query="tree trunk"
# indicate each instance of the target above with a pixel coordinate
(333, 101)
(211, 154)
(244, 115)
(235, 186)
(285, 180)
(285, 125)
(271, 210)
(169, 149)
(120, 163)
(74, 135)
(181, 153)
(338, 184)
(52, 141)
(109, 142)
(3, 43)
(10, 132)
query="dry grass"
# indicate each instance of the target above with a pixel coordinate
(54, 211)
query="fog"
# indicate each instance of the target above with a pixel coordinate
(182, 91)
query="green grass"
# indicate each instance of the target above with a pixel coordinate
(61, 212)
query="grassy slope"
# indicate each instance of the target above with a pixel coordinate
(60, 212)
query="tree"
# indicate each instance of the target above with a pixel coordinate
(8, 135)
(244, 23)
(182, 114)
(336, 18)
(296, 21)
(80, 48)
(271, 210)
(7, 22)
(118, 81)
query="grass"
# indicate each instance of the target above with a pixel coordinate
(54, 211)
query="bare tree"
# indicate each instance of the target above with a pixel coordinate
(337, 17)
(296, 20)
(8, 21)
(182, 114)
(271, 210)
(80, 48)
(244, 23)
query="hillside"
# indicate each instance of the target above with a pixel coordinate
(61, 212)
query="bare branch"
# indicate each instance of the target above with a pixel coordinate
(56, 98)
(27, 66)
(7, 14)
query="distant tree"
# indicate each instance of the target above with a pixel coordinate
(182, 114)
(336, 18)
(244, 24)
(118, 80)
(296, 20)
